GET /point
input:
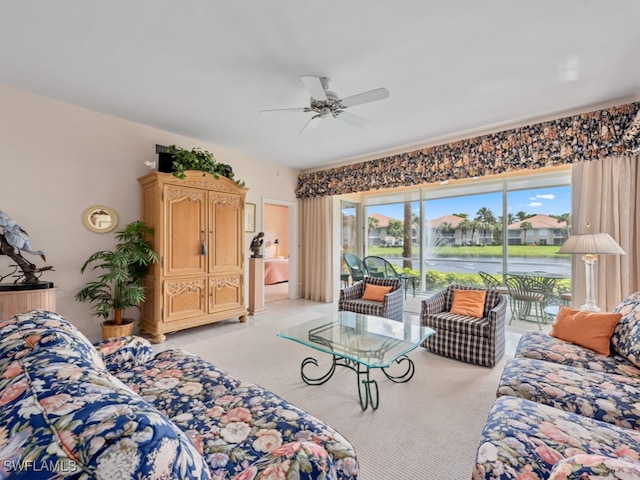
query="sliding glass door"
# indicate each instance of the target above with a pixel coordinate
(447, 234)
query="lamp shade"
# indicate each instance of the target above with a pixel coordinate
(592, 244)
(277, 242)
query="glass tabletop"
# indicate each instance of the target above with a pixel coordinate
(372, 341)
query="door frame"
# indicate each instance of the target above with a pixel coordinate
(294, 246)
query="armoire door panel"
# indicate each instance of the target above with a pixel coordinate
(186, 231)
(184, 298)
(226, 224)
(225, 292)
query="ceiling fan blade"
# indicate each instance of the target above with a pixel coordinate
(311, 124)
(351, 119)
(302, 109)
(365, 97)
(315, 86)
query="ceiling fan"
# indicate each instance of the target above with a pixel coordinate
(325, 103)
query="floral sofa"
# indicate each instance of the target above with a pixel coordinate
(566, 412)
(69, 409)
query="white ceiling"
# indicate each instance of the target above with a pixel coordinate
(206, 68)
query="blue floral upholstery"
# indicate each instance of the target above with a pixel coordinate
(392, 307)
(115, 411)
(540, 346)
(123, 353)
(565, 412)
(525, 440)
(62, 411)
(240, 427)
(607, 397)
(626, 335)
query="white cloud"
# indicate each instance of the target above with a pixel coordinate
(534, 204)
(546, 196)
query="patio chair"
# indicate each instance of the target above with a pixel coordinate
(477, 340)
(492, 282)
(380, 267)
(391, 306)
(357, 269)
(527, 297)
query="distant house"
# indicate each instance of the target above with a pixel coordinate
(379, 235)
(446, 231)
(545, 230)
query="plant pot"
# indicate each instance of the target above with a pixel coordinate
(111, 330)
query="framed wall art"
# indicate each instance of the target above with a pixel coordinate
(249, 217)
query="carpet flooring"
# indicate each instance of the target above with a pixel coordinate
(425, 429)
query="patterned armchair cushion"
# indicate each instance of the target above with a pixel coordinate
(526, 440)
(603, 396)
(123, 353)
(626, 335)
(491, 299)
(541, 346)
(62, 411)
(241, 429)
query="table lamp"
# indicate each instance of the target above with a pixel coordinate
(277, 244)
(590, 245)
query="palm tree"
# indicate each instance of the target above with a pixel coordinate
(464, 225)
(526, 226)
(487, 221)
(408, 237)
(474, 226)
(566, 218)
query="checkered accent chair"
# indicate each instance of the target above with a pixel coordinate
(473, 340)
(391, 307)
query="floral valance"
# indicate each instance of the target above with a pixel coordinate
(587, 136)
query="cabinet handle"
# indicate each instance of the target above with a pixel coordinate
(203, 249)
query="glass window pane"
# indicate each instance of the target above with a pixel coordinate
(463, 237)
(539, 223)
(393, 233)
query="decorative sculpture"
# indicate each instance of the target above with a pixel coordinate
(13, 240)
(256, 245)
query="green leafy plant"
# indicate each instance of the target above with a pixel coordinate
(121, 284)
(198, 159)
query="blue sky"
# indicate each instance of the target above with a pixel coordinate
(547, 201)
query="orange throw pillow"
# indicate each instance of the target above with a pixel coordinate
(375, 292)
(469, 302)
(591, 330)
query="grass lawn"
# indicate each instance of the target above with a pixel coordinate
(488, 251)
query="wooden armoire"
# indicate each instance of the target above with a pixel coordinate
(198, 227)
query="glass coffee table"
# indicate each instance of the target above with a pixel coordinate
(361, 343)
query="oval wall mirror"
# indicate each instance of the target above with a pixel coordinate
(100, 219)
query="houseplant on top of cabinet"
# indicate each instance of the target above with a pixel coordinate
(198, 159)
(120, 286)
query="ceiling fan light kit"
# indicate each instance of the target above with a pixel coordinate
(324, 103)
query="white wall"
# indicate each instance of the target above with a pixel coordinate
(57, 159)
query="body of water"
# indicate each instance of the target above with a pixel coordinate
(559, 266)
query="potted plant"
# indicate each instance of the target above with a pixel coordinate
(120, 285)
(198, 159)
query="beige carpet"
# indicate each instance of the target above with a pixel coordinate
(425, 429)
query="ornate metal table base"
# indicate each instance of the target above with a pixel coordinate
(368, 392)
